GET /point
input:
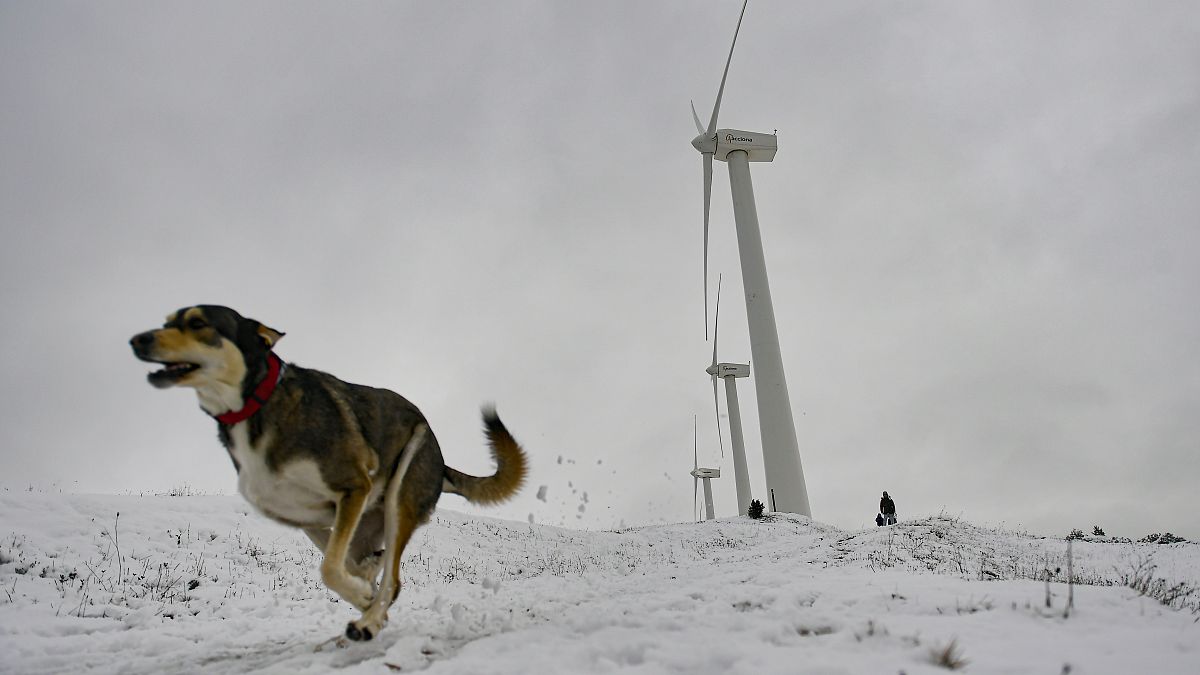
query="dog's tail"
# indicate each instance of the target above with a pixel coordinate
(511, 467)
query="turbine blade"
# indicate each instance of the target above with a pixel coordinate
(717, 321)
(716, 328)
(708, 159)
(712, 123)
(696, 119)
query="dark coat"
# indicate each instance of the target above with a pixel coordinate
(887, 506)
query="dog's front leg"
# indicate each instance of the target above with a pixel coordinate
(354, 590)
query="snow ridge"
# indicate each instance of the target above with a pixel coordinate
(203, 584)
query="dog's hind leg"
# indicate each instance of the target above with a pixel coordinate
(400, 521)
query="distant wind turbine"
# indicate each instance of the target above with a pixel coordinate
(700, 474)
(781, 453)
(730, 372)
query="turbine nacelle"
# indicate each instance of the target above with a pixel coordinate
(759, 147)
(723, 370)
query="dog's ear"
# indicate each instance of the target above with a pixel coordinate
(269, 335)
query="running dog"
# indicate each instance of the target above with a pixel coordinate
(356, 468)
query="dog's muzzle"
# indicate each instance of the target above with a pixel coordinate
(143, 348)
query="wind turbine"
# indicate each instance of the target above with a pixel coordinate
(730, 372)
(781, 453)
(699, 474)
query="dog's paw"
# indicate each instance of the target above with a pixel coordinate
(361, 630)
(368, 625)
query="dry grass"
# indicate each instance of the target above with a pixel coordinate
(948, 657)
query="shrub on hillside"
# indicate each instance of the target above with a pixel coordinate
(1164, 538)
(756, 509)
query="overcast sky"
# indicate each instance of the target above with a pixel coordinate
(982, 234)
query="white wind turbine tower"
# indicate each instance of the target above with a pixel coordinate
(786, 490)
(699, 474)
(730, 372)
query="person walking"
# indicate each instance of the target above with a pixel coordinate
(887, 508)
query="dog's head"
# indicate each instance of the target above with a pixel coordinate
(205, 346)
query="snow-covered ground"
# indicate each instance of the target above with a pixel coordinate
(203, 584)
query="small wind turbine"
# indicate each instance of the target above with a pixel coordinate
(699, 474)
(730, 372)
(781, 453)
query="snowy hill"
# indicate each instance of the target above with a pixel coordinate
(204, 584)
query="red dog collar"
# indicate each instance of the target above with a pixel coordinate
(260, 394)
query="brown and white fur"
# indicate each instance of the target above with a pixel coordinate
(357, 468)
